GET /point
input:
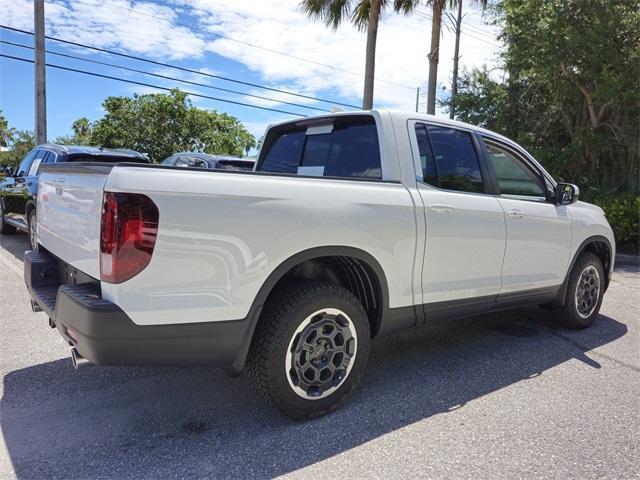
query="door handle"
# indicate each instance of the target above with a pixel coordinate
(440, 208)
(60, 180)
(516, 213)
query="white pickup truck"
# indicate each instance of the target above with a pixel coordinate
(354, 225)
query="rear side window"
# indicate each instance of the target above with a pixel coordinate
(346, 148)
(426, 158)
(35, 165)
(456, 162)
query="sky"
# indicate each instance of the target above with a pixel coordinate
(263, 42)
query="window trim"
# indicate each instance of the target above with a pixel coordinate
(540, 174)
(487, 179)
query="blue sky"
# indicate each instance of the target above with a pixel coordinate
(233, 38)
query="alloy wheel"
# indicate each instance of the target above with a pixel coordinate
(587, 291)
(321, 353)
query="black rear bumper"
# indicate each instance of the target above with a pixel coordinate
(105, 335)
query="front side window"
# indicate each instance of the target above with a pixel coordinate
(346, 148)
(25, 164)
(169, 161)
(514, 177)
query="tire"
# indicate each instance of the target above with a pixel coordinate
(32, 232)
(5, 228)
(285, 349)
(584, 293)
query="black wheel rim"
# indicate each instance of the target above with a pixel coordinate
(321, 353)
(587, 291)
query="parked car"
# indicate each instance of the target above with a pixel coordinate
(19, 190)
(355, 225)
(204, 160)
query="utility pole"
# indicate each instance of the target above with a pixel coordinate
(40, 96)
(456, 59)
(417, 98)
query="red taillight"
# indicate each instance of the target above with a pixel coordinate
(128, 232)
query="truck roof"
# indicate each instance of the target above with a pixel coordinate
(402, 116)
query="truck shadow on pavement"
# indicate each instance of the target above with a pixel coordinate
(197, 422)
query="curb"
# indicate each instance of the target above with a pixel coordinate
(626, 260)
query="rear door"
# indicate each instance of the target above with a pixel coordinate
(465, 229)
(538, 231)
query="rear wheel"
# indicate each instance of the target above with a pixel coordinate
(309, 349)
(33, 232)
(5, 228)
(584, 293)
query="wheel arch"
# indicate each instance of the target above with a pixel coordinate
(367, 276)
(31, 206)
(599, 246)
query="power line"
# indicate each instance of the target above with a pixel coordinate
(253, 45)
(134, 82)
(466, 31)
(184, 69)
(469, 26)
(165, 77)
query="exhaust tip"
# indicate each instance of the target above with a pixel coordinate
(77, 360)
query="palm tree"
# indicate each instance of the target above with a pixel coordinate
(437, 7)
(365, 15)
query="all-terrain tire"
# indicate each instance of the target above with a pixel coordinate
(279, 331)
(580, 310)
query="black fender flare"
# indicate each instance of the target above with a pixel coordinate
(562, 292)
(274, 277)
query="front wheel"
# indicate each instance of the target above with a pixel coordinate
(309, 349)
(584, 293)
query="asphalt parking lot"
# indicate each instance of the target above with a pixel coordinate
(504, 395)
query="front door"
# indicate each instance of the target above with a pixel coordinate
(538, 231)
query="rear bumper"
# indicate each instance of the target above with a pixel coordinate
(105, 335)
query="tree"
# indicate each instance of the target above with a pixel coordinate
(437, 8)
(6, 133)
(21, 143)
(365, 15)
(571, 90)
(82, 130)
(162, 124)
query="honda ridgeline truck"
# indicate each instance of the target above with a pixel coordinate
(353, 226)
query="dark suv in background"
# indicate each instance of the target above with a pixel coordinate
(205, 160)
(18, 192)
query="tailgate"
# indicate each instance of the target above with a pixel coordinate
(69, 209)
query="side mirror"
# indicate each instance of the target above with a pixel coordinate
(9, 172)
(566, 193)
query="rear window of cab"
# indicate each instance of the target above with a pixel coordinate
(343, 147)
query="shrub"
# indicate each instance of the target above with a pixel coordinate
(623, 213)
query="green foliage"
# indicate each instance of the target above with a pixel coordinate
(623, 213)
(82, 130)
(569, 94)
(160, 125)
(21, 142)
